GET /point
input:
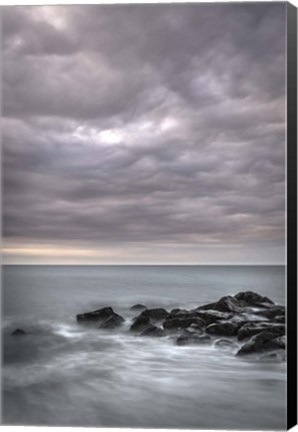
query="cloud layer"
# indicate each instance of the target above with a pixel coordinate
(144, 133)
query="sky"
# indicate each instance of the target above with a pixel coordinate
(144, 134)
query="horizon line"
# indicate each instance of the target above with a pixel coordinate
(145, 264)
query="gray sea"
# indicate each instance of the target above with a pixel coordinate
(65, 374)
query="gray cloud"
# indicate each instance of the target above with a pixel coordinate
(143, 125)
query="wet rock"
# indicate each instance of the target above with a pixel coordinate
(183, 320)
(250, 298)
(155, 314)
(225, 343)
(190, 338)
(18, 332)
(224, 304)
(138, 307)
(264, 341)
(153, 332)
(275, 356)
(281, 319)
(281, 340)
(175, 311)
(141, 323)
(272, 312)
(97, 315)
(223, 328)
(251, 328)
(212, 316)
(112, 322)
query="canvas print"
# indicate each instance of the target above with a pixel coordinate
(144, 153)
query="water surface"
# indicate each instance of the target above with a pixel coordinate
(64, 374)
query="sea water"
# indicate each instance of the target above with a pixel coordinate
(66, 374)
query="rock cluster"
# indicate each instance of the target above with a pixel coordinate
(246, 322)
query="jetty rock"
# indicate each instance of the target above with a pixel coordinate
(141, 323)
(112, 322)
(251, 328)
(264, 341)
(97, 315)
(138, 307)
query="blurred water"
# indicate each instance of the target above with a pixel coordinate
(65, 374)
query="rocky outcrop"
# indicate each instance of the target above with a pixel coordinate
(223, 328)
(251, 328)
(250, 298)
(212, 316)
(183, 319)
(138, 307)
(112, 322)
(141, 323)
(273, 312)
(254, 320)
(156, 314)
(97, 315)
(264, 341)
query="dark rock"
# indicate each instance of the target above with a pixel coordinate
(225, 304)
(138, 307)
(155, 314)
(223, 328)
(272, 312)
(175, 311)
(141, 323)
(190, 338)
(264, 341)
(250, 298)
(280, 319)
(112, 322)
(18, 332)
(275, 356)
(153, 331)
(97, 315)
(183, 320)
(281, 340)
(226, 343)
(211, 316)
(251, 328)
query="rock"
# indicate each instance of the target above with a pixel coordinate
(138, 307)
(155, 314)
(280, 319)
(224, 304)
(264, 341)
(97, 315)
(272, 312)
(281, 340)
(141, 323)
(190, 338)
(183, 320)
(176, 311)
(211, 316)
(112, 322)
(225, 343)
(153, 331)
(275, 356)
(18, 332)
(223, 328)
(250, 298)
(251, 328)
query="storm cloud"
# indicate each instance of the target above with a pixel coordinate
(144, 133)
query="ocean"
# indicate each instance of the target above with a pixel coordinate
(63, 373)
